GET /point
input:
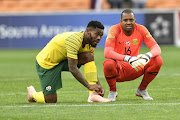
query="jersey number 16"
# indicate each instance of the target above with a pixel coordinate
(127, 51)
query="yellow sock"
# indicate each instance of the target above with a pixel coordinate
(39, 97)
(90, 73)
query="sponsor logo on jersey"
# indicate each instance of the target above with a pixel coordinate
(121, 42)
(128, 43)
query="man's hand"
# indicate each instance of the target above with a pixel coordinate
(143, 59)
(94, 87)
(133, 61)
(101, 92)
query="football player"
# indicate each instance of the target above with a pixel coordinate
(123, 61)
(67, 52)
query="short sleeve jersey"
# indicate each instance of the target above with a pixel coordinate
(129, 45)
(68, 44)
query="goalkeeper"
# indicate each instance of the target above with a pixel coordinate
(67, 52)
(123, 61)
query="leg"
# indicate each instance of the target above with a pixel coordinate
(110, 72)
(150, 72)
(50, 81)
(34, 96)
(90, 73)
(118, 71)
(52, 98)
(84, 58)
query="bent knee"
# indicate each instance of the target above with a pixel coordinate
(51, 101)
(51, 98)
(109, 65)
(85, 57)
(158, 61)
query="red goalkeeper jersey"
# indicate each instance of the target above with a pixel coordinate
(129, 45)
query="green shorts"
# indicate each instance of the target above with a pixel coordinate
(50, 79)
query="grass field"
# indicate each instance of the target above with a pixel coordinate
(17, 71)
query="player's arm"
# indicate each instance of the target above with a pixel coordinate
(150, 42)
(72, 64)
(109, 52)
(72, 45)
(155, 50)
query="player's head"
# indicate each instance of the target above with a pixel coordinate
(94, 30)
(128, 20)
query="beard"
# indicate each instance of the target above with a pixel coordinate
(90, 41)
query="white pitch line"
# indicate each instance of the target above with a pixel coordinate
(90, 105)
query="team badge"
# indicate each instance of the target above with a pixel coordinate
(48, 88)
(135, 41)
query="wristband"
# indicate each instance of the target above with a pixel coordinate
(149, 55)
(127, 58)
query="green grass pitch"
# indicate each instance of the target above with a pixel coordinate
(17, 71)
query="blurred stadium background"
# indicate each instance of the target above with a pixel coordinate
(26, 26)
(32, 23)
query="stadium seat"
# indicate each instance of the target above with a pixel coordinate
(163, 4)
(47, 5)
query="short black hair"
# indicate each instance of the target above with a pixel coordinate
(127, 11)
(95, 24)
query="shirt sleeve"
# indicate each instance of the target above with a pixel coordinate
(155, 50)
(112, 36)
(73, 44)
(148, 39)
(109, 52)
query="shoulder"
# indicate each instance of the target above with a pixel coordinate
(76, 36)
(143, 31)
(74, 39)
(141, 28)
(115, 28)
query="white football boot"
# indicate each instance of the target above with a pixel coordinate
(144, 94)
(112, 95)
(30, 91)
(94, 97)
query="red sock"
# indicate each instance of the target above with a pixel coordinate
(112, 84)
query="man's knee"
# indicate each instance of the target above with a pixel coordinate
(158, 61)
(155, 65)
(85, 57)
(110, 68)
(52, 98)
(109, 65)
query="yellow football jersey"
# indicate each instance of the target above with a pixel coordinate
(67, 44)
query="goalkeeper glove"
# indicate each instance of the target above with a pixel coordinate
(133, 61)
(143, 59)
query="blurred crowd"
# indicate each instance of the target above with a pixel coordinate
(56, 5)
(127, 3)
(117, 4)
